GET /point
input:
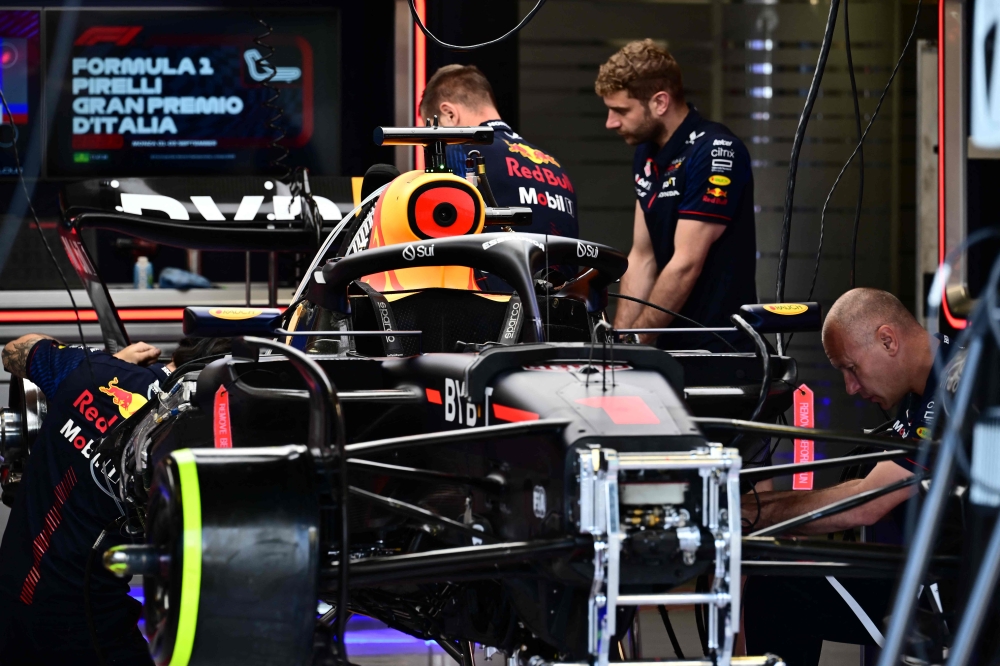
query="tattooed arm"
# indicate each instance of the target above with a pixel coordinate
(15, 353)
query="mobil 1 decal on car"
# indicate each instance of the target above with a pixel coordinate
(457, 409)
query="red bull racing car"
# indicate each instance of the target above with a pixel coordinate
(466, 466)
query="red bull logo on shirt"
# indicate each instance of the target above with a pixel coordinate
(533, 154)
(128, 403)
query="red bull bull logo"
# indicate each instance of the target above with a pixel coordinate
(128, 403)
(533, 154)
(717, 192)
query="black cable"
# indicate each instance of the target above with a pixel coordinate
(861, 151)
(793, 164)
(701, 613)
(45, 242)
(671, 312)
(670, 631)
(858, 149)
(277, 129)
(88, 609)
(472, 47)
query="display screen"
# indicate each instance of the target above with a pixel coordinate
(19, 80)
(164, 92)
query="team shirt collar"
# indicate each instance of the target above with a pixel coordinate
(685, 136)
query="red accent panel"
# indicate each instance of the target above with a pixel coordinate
(953, 321)
(434, 396)
(513, 414)
(41, 543)
(623, 409)
(98, 142)
(221, 421)
(803, 451)
(119, 35)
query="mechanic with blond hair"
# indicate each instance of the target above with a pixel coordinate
(887, 358)
(520, 173)
(694, 242)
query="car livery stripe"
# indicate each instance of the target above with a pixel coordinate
(187, 621)
(434, 396)
(513, 414)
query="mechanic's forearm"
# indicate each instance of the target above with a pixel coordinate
(15, 353)
(779, 506)
(671, 291)
(637, 282)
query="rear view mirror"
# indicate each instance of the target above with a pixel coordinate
(227, 322)
(783, 317)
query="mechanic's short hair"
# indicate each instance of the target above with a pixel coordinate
(860, 312)
(460, 84)
(189, 349)
(643, 68)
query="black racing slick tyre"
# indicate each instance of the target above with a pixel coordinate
(237, 533)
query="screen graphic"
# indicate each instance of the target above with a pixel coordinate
(167, 92)
(19, 80)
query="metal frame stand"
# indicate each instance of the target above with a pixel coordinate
(599, 517)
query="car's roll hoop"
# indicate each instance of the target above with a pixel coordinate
(514, 257)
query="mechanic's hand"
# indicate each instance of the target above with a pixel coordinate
(139, 353)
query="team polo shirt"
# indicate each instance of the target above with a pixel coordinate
(59, 509)
(702, 173)
(522, 174)
(917, 414)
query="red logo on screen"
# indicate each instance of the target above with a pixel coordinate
(120, 35)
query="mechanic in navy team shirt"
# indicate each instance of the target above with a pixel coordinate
(60, 507)
(520, 173)
(886, 357)
(694, 242)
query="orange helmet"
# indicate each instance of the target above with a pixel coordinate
(420, 206)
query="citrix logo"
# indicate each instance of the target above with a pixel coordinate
(586, 250)
(411, 252)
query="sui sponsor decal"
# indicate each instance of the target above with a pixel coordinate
(411, 252)
(586, 250)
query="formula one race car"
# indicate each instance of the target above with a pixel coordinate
(466, 466)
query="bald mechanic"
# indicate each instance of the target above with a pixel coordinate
(886, 357)
(520, 173)
(694, 242)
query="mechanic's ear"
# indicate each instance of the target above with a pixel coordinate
(888, 339)
(660, 103)
(448, 114)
